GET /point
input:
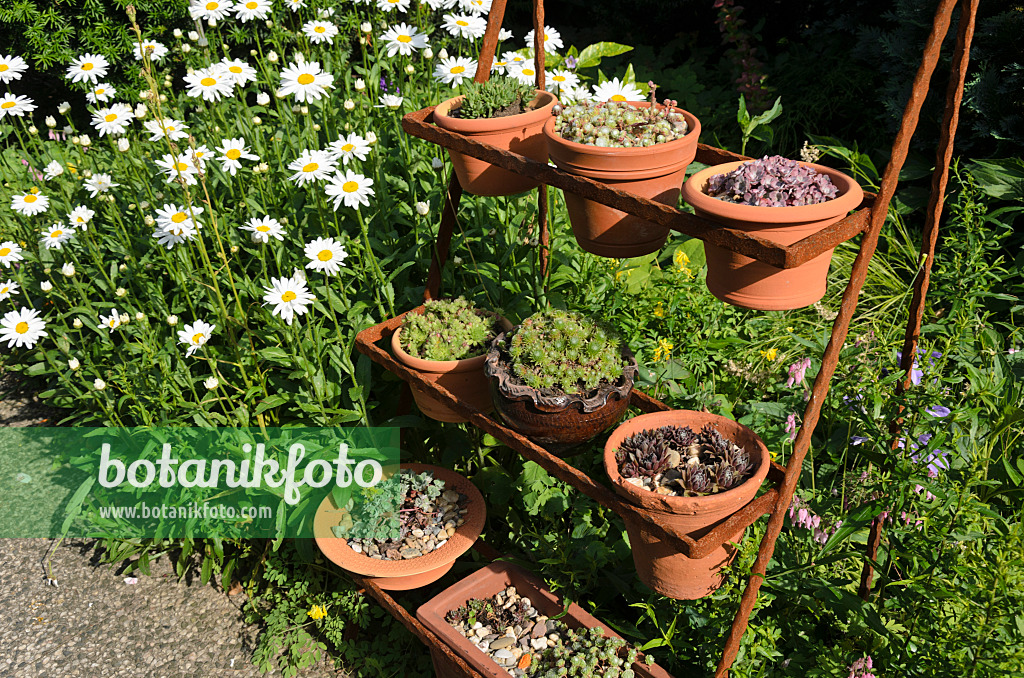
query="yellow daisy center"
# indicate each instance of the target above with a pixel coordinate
(112, 322)
(558, 78)
(460, 22)
(310, 167)
(348, 148)
(4, 290)
(7, 104)
(179, 217)
(110, 117)
(459, 69)
(305, 79)
(4, 67)
(100, 91)
(21, 328)
(235, 69)
(87, 67)
(198, 337)
(251, 5)
(212, 5)
(181, 166)
(263, 228)
(208, 82)
(617, 97)
(56, 234)
(529, 71)
(233, 154)
(404, 38)
(319, 29)
(288, 296)
(350, 187)
(30, 198)
(169, 128)
(4, 251)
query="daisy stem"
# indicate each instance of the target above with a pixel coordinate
(307, 365)
(381, 280)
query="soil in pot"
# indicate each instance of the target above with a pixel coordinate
(499, 643)
(520, 134)
(464, 378)
(555, 420)
(659, 562)
(748, 283)
(653, 172)
(429, 542)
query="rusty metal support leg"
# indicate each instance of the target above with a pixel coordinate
(940, 177)
(839, 331)
(490, 44)
(542, 191)
(443, 241)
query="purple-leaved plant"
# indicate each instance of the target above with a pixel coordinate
(772, 181)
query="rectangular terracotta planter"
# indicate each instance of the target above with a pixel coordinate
(485, 583)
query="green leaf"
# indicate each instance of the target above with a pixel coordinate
(74, 507)
(999, 178)
(592, 54)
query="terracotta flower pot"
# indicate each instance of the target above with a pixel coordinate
(659, 563)
(401, 575)
(742, 281)
(553, 419)
(653, 172)
(485, 583)
(517, 133)
(464, 378)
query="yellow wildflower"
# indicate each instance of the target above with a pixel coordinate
(770, 354)
(789, 329)
(659, 310)
(317, 612)
(680, 259)
(663, 351)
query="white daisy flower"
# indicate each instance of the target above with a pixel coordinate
(170, 216)
(156, 50)
(320, 31)
(478, 7)
(500, 66)
(231, 151)
(289, 296)
(352, 146)
(238, 70)
(514, 58)
(101, 93)
(10, 253)
(312, 166)
(263, 229)
(158, 128)
(454, 70)
(68, 269)
(325, 255)
(21, 328)
(404, 39)
(524, 73)
(175, 166)
(562, 79)
(30, 203)
(98, 183)
(305, 80)
(55, 236)
(209, 9)
(15, 105)
(112, 119)
(89, 67)
(505, 34)
(571, 95)
(7, 289)
(209, 83)
(613, 90)
(552, 40)
(46, 286)
(53, 170)
(80, 217)
(195, 335)
(441, 4)
(110, 322)
(349, 188)
(296, 5)
(199, 155)
(247, 10)
(175, 234)
(464, 25)
(11, 68)
(389, 5)
(390, 101)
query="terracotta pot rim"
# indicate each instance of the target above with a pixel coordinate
(477, 125)
(337, 550)
(503, 379)
(692, 133)
(440, 366)
(683, 505)
(850, 196)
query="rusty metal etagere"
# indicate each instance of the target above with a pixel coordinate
(866, 221)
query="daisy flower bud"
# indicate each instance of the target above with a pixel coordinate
(212, 23)
(122, 267)
(422, 208)
(177, 32)
(362, 40)
(99, 384)
(211, 383)
(257, 120)
(234, 249)
(269, 23)
(186, 48)
(284, 221)
(365, 27)
(253, 52)
(77, 324)
(410, 69)
(120, 291)
(428, 53)
(51, 121)
(86, 141)
(349, 104)
(272, 56)
(436, 163)
(68, 269)
(140, 316)
(63, 108)
(443, 54)
(75, 140)
(316, 127)
(371, 138)
(262, 99)
(148, 220)
(144, 205)
(172, 320)
(123, 144)
(74, 364)
(304, 110)
(263, 167)
(140, 111)
(46, 286)
(359, 84)
(33, 130)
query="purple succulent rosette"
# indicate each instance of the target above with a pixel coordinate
(772, 181)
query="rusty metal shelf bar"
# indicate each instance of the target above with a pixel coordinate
(367, 344)
(419, 123)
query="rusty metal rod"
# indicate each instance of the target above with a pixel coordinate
(830, 359)
(929, 239)
(442, 244)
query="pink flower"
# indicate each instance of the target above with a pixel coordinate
(791, 426)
